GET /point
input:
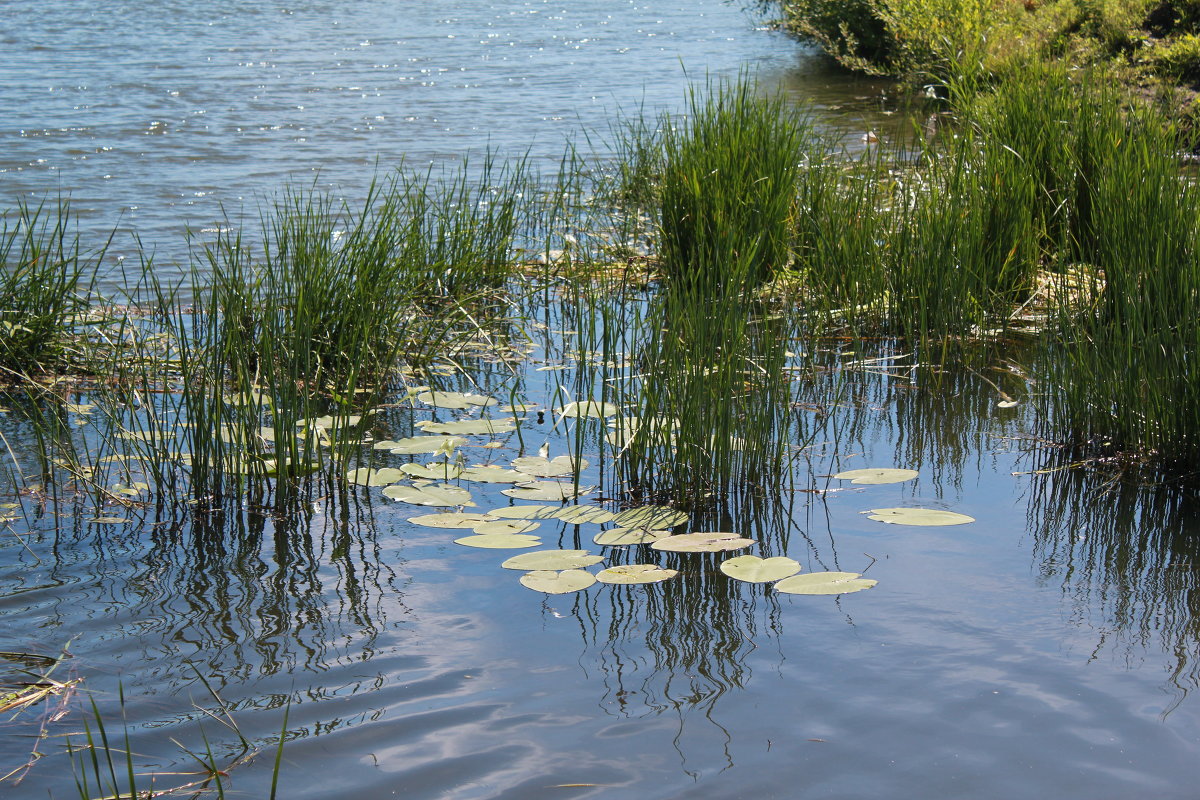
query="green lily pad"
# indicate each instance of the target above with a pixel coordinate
(564, 582)
(715, 542)
(650, 517)
(917, 516)
(108, 520)
(546, 490)
(635, 573)
(539, 467)
(506, 526)
(469, 426)
(524, 512)
(589, 409)
(493, 475)
(753, 569)
(824, 583)
(615, 537)
(415, 445)
(873, 476)
(500, 541)
(329, 423)
(430, 495)
(441, 471)
(553, 560)
(375, 477)
(455, 400)
(578, 515)
(452, 519)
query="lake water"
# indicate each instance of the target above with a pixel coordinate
(1048, 649)
(154, 116)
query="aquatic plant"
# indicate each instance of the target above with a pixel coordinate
(46, 278)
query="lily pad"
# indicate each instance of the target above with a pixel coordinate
(441, 471)
(523, 512)
(455, 399)
(329, 422)
(430, 495)
(500, 541)
(469, 426)
(635, 573)
(564, 582)
(414, 445)
(753, 569)
(493, 526)
(589, 409)
(917, 516)
(824, 583)
(452, 519)
(650, 517)
(546, 490)
(375, 477)
(553, 560)
(493, 475)
(578, 515)
(873, 476)
(539, 467)
(615, 537)
(714, 542)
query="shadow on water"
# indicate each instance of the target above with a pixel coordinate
(1125, 556)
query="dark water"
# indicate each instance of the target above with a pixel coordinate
(1047, 650)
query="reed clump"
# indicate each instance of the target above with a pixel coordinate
(46, 280)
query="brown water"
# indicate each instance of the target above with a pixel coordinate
(1046, 650)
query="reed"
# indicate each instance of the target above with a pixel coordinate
(46, 280)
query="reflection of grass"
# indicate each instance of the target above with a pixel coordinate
(104, 768)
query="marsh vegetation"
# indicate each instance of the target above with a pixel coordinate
(661, 338)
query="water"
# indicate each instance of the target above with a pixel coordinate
(154, 116)
(1046, 650)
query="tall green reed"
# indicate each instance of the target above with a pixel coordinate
(46, 280)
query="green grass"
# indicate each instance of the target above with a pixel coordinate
(46, 279)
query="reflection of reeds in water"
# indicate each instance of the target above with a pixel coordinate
(681, 646)
(1126, 553)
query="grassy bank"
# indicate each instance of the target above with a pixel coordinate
(1150, 46)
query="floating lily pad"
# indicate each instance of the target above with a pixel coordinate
(500, 541)
(469, 426)
(552, 559)
(917, 516)
(873, 476)
(650, 517)
(108, 520)
(753, 569)
(415, 445)
(589, 409)
(455, 399)
(441, 471)
(493, 475)
(524, 512)
(546, 490)
(824, 583)
(615, 537)
(540, 467)
(375, 477)
(578, 515)
(564, 582)
(714, 542)
(329, 423)
(452, 519)
(506, 526)
(430, 495)
(635, 573)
